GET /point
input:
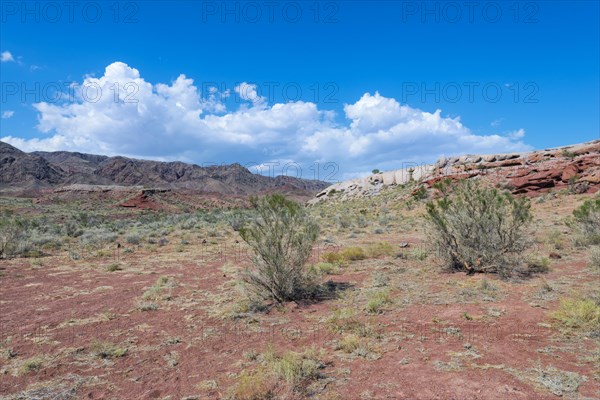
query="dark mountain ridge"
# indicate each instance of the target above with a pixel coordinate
(45, 170)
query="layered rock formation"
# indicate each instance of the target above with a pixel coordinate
(575, 167)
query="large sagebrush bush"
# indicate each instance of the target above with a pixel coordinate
(587, 221)
(479, 229)
(282, 235)
(13, 234)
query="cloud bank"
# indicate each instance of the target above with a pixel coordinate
(121, 113)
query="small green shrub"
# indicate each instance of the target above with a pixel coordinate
(133, 238)
(420, 193)
(568, 154)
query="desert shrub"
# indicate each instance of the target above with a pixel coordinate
(587, 221)
(13, 232)
(420, 193)
(72, 229)
(133, 238)
(344, 221)
(189, 223)
(282, 236)
(594, 258)
(98, 236)
(479, 229)
(236, 220)
(538, 263)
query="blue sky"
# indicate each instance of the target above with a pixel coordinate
(355, 83)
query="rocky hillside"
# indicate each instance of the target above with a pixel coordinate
(26, 169)
(574, 167)
(55, 170)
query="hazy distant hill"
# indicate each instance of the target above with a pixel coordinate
(38, 170)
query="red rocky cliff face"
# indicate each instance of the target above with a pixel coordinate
(576, 168)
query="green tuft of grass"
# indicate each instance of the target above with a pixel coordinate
(377, 301)
(578, 314)
(107, 350)
(161, 290)
(32, 364)
(325, 268)
(296, 369)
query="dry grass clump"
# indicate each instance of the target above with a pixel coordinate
(345, 255)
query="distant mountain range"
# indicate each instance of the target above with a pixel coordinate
(47, 170)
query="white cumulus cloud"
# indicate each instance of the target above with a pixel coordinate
(7, 114)
(122, 113)
(6, 56)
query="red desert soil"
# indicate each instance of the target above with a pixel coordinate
(172, 350)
